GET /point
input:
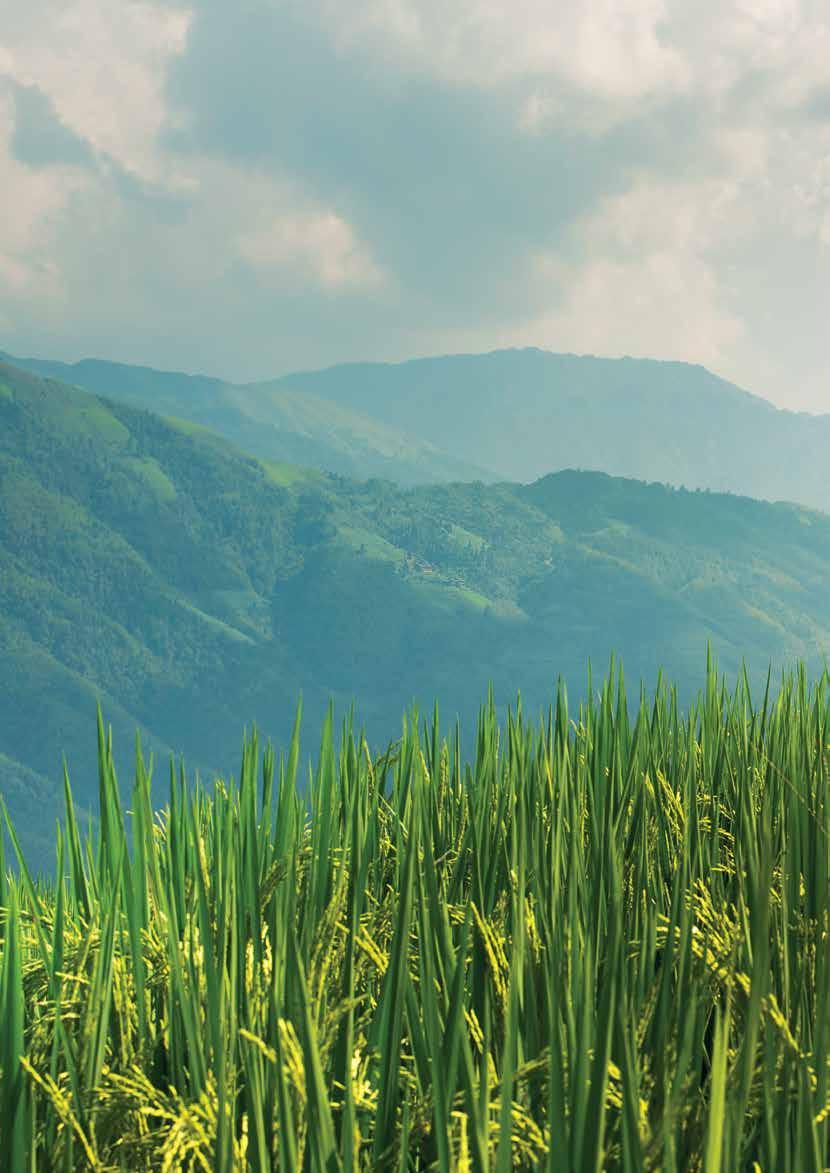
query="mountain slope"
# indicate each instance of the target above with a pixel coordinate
(525, 413)
(274, 423)
(513, 415)
(194, 589)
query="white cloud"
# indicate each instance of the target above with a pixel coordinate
(611, 47)
(591, 65)
(319, 243)
(666, 304)
(29, 226)
(702, 270)
(715, 247)
(783, 42)
(102, 66)
(639, 276)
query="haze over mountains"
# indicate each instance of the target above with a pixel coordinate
(195, 588)
(509, 415)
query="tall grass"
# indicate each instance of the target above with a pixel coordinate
(603, 943)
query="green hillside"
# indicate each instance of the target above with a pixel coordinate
(194, 589)
(274, 423)
(514, 415)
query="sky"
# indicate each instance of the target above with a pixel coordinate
(252, 188)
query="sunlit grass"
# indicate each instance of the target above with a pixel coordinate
(601, 943)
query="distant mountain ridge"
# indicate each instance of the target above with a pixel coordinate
(275, 423)
(509, 415)
(529, 412)
(194, 589)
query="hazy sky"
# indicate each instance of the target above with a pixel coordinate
(252, 187)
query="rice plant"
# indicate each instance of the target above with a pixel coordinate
(599, 943)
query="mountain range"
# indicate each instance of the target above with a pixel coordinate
(511, 415)
(195, 588)
(275, 422)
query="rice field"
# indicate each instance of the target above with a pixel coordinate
(599, 943)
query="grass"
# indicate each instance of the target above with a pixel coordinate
(601, 943)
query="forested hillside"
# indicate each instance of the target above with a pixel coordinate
(194, 589)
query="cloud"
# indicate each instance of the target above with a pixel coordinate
(817, 104)
(610, 47)
(323, 244)
(102, 66)
(652, 275)
(433, 176)
(620, 307)
(263, 186)
(40, 138)
(32, 197)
